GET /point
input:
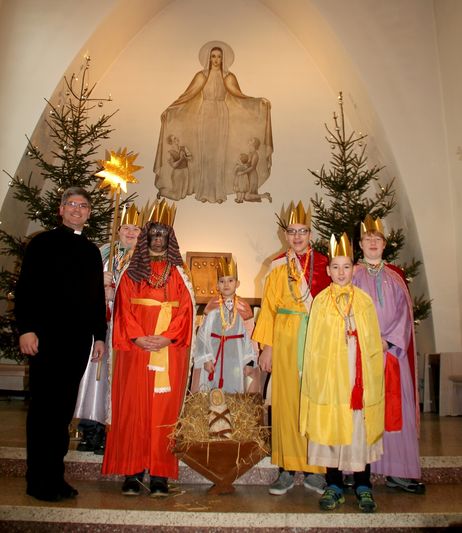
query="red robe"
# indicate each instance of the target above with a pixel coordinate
(142, 420)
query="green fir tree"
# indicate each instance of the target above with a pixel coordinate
(347, 184)
(75, 138)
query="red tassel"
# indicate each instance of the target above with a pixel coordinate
(357, 398)
(356, 402)
(220, 383)
(211, 375)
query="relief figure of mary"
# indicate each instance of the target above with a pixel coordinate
(213, 119)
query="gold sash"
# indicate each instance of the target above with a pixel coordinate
(158, 361)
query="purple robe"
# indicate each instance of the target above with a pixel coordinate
(388, 291)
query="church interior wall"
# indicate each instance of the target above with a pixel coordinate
(389, 73)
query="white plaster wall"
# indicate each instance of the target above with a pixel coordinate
(448, 17)
(382, 53)
(393, 45)
(38, 40)
(157, 66)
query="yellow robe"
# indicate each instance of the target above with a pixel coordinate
(325, 413)
(289, 447)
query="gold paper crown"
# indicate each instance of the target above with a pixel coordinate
(130, 216)
(341, 248)
(159, 212)
(295, 215)
(370, 224)
(226, 268)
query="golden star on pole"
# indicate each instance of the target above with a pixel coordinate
(118, 170)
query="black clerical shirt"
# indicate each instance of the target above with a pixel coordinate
(61, 286)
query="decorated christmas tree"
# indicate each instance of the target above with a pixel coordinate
(75, 133)
(349, 185)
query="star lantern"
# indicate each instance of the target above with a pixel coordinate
(118, 171)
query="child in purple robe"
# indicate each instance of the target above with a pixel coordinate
(386, 286)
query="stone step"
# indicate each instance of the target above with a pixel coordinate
(87, 466)
(100, 507)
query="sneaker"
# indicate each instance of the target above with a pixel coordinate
(283, 483)
(331, 498)
(158, 486)
(131, 486)
(365, 500)
(409, 485)
(315, 482)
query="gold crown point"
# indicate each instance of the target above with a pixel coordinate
(226, 268)
(130, 215)
(162, 213)
(339, 248)
(296, 215)
(369, 224)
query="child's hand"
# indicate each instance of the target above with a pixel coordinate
(266, 358)
(208, 366)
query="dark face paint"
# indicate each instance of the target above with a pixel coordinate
(158, 238)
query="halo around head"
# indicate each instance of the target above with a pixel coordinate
(228, 54)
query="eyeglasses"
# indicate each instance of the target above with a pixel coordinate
(301, 231)
(80, 205)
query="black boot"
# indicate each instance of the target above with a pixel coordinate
(100, 440)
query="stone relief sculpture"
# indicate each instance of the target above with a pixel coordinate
(213, 118)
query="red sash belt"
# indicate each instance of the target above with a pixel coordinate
(393, 407)
(220, 354)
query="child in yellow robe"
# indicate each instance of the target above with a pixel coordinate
(342, 397)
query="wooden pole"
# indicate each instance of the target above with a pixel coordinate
(115, 225)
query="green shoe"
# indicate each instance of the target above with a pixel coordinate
(365, 500)
(331, 498)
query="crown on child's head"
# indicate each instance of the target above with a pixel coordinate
(369, 224)
(226, 268)
(130, 216)
(159, 212)
(342, 247)
(295, 215)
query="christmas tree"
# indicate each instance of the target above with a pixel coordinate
(75, 137)
(348, 183)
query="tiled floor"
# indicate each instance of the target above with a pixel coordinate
(101, 508)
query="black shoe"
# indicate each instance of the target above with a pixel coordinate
(99, 442)
(68, 491)
(99, 449)
(131, 486)
(85, 445)
(158, 486)
(408, 485)
(45, 495)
